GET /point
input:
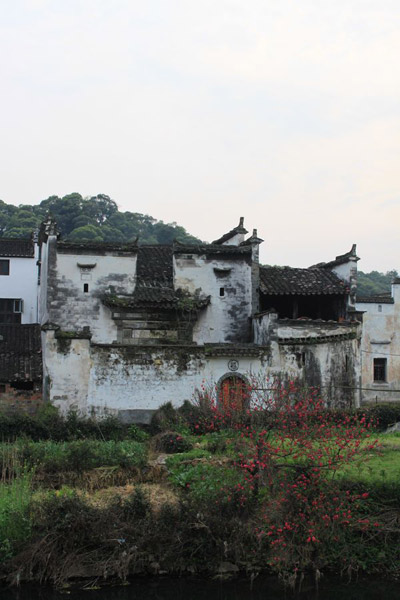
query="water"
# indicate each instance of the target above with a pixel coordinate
(199, 589)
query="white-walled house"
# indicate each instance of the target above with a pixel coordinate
(20, 337)
(381, 345)
(18, 281)
(126, 328)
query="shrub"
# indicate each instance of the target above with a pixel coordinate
(384, 414)
(137, 434)
(208, 483)
(165, 418)
(48, 424)
(136, 506)
(171, 443)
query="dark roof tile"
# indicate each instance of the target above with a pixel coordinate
(100, 248)
(20, 353)
(302, 282)
(385, 299)
(18, 248)
(214, 249)
(154, 266)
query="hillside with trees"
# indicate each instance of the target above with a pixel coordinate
(95, 219)
(375, 283)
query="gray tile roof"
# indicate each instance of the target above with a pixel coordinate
(214, 249)
(20, 353)
(154, 266)
(302, 282)
(18, 248)
(385, 299)
(100, 248)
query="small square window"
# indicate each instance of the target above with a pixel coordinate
(222, 292)
(18, 306)
(380, 365)
(4, 267)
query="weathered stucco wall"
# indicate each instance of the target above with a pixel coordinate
(381, 339)
(67, 365)
(227, 318)
(320, 354)
(131, 381)
(73, 308)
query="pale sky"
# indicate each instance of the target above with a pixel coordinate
(284, 112)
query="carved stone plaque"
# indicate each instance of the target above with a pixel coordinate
(233, 365)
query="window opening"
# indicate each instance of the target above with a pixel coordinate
(347, 364)
(8, 312)
(2, 388)
(379, 307)
(18, 305)
(222, 292)
(4, 267)
(380, 365)
(85, 287)
(22, 385)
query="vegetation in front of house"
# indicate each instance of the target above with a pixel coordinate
(203, 490)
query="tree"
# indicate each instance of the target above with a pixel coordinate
(88, 233)
(375, 283)
(290, 453)
(73, 213)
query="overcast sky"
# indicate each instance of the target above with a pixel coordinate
(201, 111)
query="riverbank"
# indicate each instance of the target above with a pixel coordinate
(173, 501)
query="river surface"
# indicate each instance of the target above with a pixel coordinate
(199, 589)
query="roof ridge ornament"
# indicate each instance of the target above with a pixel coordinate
(238, 230)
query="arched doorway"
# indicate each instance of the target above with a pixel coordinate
(233, 392)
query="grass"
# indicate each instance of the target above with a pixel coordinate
(15, 521)
(80, 455)
(381, 465)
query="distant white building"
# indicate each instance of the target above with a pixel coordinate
(18, 281)
(380, 356)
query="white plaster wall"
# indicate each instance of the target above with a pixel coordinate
(325, 363)
(66, 374)
(110, 380)
(219, 322)
(381, 339)
(42, 296)
(235, 240)
(72, 308)
(22, 282)
(122, 386)
(104, 380)
(343, 271)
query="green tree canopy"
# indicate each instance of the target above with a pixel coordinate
(375, 283)
(95, 218)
